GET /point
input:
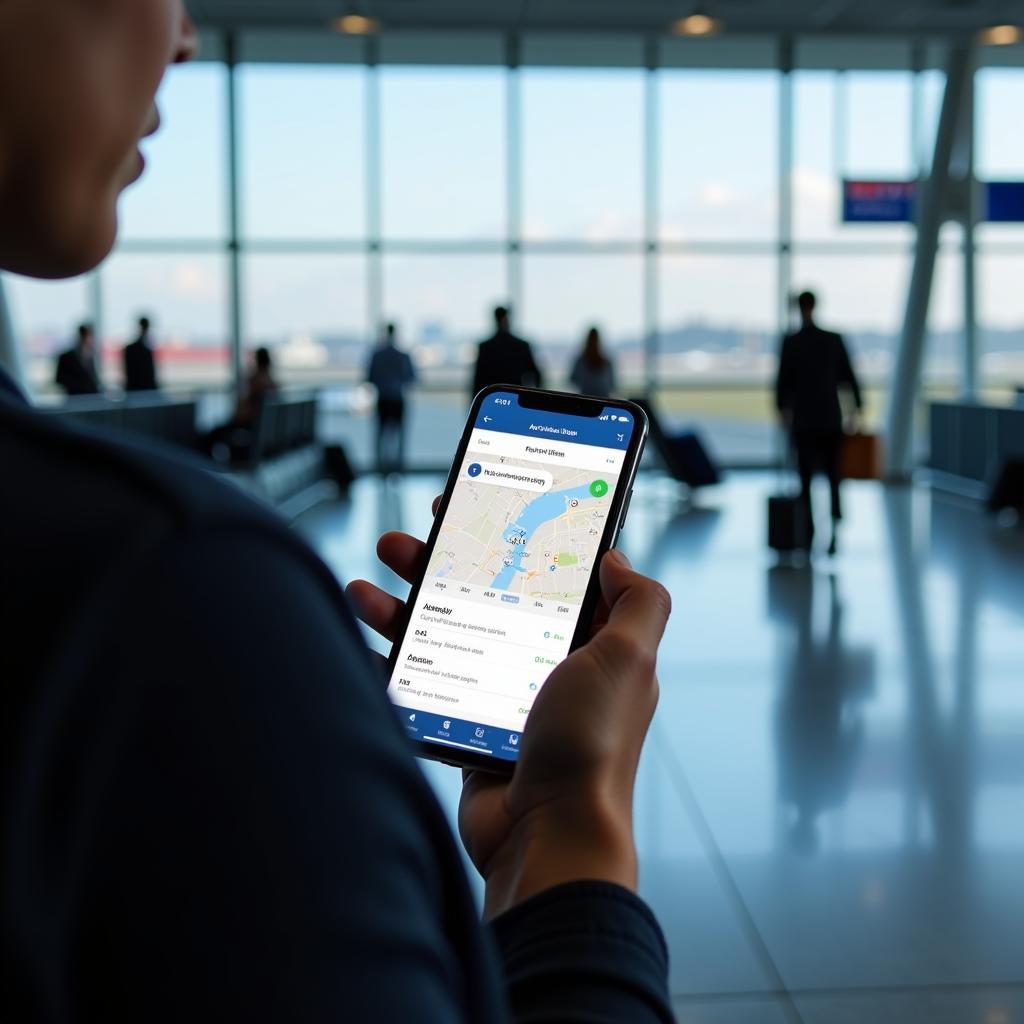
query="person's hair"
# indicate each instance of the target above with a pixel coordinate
(263, 360)
(389, 332)
(593, 355)
(144, 323)
(500, 314)
(806, 301)
(85, 331)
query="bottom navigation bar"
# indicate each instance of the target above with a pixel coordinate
(460, 734)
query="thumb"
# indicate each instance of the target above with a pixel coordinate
(638, 607)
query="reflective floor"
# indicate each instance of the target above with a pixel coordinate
(830, 811)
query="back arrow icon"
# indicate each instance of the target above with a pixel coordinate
(487, 419)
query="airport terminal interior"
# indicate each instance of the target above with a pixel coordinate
(829, 811)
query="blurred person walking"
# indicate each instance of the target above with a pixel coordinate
(76, 367)
(813, 366)
(139, 362)
(593, 373)
(391, 372)
(505, 359)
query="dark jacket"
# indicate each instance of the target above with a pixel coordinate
(813, 366)
(208, 810)
(506, 359)
(75, 376)
(139, 367)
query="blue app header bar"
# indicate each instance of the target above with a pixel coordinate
(502, 412)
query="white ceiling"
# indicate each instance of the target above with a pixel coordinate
(746, 16)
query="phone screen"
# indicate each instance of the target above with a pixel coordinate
(506, 579)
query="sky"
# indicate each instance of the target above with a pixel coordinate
(442, 179)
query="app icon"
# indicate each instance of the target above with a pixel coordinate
(513, 740)
(475, 469)
(599, 488)
(533, 686)
(412, 718)
(478, 733)
(446, 725)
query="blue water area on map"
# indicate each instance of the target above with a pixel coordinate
(541, 510)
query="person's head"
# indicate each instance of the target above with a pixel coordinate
(262, 360)
(592, 352)
(78, 80)
(501, 318)
(86, 339)
(144, 325)
(390, 335)
(805, 302)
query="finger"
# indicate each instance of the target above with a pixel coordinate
(401, 553)
(378, 609)
(638, 607)
(436, 502)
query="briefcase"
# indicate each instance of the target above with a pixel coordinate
(788, 529)
(861, 458)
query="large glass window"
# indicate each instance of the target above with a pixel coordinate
(185, 297)
(310, 310)
(45, 315)
(184, 191)
(718, 144)
(443, 153)
(563, 296)
(442, 306)
(302, 151)
(582, 162)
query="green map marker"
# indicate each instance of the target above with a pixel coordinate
(599, 488)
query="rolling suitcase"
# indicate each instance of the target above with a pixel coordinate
(787, 524)
(788, 528)
(689, 462)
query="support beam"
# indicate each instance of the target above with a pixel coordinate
(932, 210)
(234, 215)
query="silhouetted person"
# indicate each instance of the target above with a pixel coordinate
(505, 359)
(76, 368)
(593, 373)
(390, 372)
(139, 364)
(813, 366)
(237, 434)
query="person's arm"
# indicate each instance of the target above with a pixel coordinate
(847, 376)
(254, 840)
(534, 369)
(555, 844)
(478, 381)
(783, 380)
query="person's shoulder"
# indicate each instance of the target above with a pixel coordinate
(111, 486)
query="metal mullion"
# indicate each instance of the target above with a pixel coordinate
(514, 175)
(785, 183)
(234, 213)
(374, 254)
(651, 216)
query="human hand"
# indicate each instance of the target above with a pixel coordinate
(566, 813)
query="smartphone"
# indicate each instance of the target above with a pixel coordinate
(538, 492)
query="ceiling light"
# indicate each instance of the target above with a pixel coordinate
(356, 25)
(697, 24)
(1002, 35)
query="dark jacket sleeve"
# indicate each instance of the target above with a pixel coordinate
(588, 952)
(478, 369)
(846, 375)
(260, 844)
(533, 370)
(254, 841)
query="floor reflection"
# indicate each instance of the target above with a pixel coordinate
(819, 723)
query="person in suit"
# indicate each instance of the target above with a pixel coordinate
(139, 364)
(76, 368)
(813, 366)
(505, 359)
(391, 372)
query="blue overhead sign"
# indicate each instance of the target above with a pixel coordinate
(878, 202)
(1004, 201)
(892, 202)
